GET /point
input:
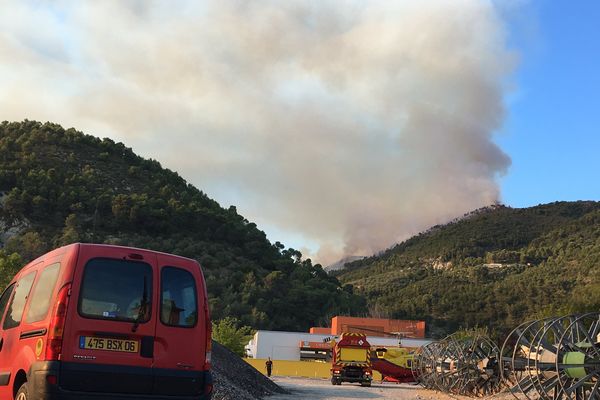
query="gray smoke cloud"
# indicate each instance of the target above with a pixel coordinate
(350, 125)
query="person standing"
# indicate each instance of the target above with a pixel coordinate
(269, 365)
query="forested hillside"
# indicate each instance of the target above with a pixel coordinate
(60, 186)
(494, 268)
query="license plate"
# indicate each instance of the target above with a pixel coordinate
(98, 343)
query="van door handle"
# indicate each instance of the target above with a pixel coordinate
(186, 366)
(1, 343)
(33, 333)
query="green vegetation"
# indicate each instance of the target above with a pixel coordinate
(494, 268)
(60, 186)
(228, 333)
(9, 266)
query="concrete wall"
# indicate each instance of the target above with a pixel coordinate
(307, 369)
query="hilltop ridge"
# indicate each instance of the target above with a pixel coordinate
(61, 186)
(495, 267)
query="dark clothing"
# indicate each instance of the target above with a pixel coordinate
(269, 365)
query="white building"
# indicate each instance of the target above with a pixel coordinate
(280, 345)
(287, 345)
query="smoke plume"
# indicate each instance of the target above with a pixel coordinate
(348, 124)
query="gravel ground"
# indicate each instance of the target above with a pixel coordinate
(234, 379)
(320, 389)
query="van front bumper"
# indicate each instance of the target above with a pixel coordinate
(41, 387)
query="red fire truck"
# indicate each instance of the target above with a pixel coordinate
(352, 360)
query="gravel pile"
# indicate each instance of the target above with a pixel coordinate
(234, 379)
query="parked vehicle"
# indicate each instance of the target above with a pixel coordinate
(352, 360)
(89, 321)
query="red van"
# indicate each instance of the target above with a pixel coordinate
(89, 321)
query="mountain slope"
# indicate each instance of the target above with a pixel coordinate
(60, 186)
(494, 268)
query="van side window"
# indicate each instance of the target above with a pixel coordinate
(40, 299)
(118, 290)
(17, 304)
(4, 299)
(178, 304)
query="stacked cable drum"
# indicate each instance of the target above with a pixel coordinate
(553, 358)
(462, 364)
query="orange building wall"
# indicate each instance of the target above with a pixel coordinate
(377, 327)
(320, 331)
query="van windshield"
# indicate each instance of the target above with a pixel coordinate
(116, 290)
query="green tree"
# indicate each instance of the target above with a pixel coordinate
(10, 263)
(228, 332)
(29, 245)
(70, 232)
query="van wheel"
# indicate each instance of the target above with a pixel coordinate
(22, 393)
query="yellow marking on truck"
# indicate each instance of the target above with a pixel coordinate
(356, 355)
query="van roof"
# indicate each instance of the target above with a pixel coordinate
(64, 249)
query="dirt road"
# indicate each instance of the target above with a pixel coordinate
(320, 389)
